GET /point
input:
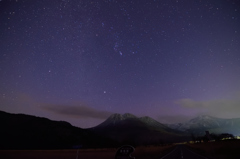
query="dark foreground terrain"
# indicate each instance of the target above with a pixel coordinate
(151, 152)
(226, 149)
(181, 151)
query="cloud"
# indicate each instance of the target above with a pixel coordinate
(18, 102)
(220, 107)
(77, 111)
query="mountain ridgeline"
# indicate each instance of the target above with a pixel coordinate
(129, 129)
(19, 131)
(202, 123)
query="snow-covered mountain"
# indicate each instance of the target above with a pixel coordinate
(141, 130)
(151, 122)
(145, 121)
(117, 118)
(130, 128)
(204, 123)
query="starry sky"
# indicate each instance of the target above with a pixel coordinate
(82, 60)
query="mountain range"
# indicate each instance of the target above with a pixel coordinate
(20, 131)
(129, 129)
(202, 123)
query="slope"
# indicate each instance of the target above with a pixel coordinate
(129, 129)
(19, 131)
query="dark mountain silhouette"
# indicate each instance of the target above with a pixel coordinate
(129, 129)
(202, 123)
(19, 131)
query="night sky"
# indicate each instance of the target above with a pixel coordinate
(82, 60)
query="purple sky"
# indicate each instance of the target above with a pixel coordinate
(80, 60)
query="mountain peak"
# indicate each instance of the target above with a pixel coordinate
(128, 115)
(129, 128)
(115, 118)
(202, 118)
(125, 116)
(147, 119)
(128, 119)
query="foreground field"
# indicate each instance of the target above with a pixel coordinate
(152, 152)
(227, 149)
